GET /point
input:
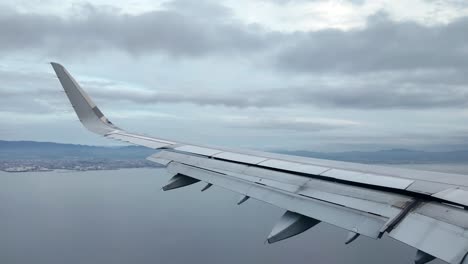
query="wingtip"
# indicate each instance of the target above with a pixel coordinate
(56, 65)
(88, 113)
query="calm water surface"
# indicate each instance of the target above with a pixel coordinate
(123, 217)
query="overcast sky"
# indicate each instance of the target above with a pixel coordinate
(318, 75)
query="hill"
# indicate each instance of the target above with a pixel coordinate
(30, 150)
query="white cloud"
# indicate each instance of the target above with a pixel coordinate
(299, 15)
(289, 90)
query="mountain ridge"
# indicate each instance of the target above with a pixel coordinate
(52, 150)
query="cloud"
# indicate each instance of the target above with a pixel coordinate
(384, 45)
(175, 32)
(202, 61)
(457, 3)
(183, 29)
(288, 124)
(30, 92)
(208, 10)
(401, 92)
(24, 91)
(284, 2)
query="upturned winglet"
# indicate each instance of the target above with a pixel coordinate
(88, 113)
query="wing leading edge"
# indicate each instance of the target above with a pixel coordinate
(426, 210)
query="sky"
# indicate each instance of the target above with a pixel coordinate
(321, 75)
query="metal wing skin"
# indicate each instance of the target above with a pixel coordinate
(426, 210)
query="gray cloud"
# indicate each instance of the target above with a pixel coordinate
(185, 29)
(289, 124)
(212, 59)
(457, 3)
(201, 9)
(29, 91)
(386, 95)
(171, 31)
(382, 45)
(283, 2)
(418, 66)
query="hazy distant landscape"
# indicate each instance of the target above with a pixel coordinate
(23, 156)
(49, 150)
(391, 156)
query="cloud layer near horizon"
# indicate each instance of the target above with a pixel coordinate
(190, 60)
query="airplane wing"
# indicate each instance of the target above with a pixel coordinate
(426, 210)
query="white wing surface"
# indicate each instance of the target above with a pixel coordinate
(426, 210)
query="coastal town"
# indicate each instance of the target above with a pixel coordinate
(38, 165)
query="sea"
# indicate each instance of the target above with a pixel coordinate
(123, 216)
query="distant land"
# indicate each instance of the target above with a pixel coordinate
(392, 156)
(24, 156)
(19, 156)
(50, 150)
